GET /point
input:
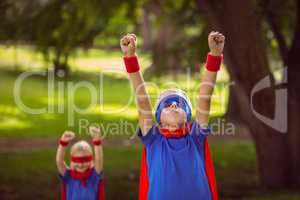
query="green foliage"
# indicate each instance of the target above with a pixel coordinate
(62, 26)
(15, 19)
(57, 27)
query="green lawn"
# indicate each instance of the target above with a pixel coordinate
(121, 170)
(23, 172)
(92, 60)
(114, 102)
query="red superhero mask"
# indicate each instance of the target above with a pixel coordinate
(81, 159)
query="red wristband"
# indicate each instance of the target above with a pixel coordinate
(131, 64)
(97, 142)
(63, 143)
(213, 63)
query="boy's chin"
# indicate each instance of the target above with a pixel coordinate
(81, 169)
(174, 126)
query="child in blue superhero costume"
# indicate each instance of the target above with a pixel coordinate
(83, 179)
(176, 163)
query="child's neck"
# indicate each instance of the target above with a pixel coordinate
(176, 133)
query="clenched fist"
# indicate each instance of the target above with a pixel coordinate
(128, 44)
(216, 43)
(67, 136)
(95, 132)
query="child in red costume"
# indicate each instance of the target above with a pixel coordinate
(176, 162)
(84, 179)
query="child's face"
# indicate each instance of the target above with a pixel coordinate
(173, 117)
(81, 166)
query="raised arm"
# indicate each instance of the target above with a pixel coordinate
(97, 142)
(128, 45)
(60, 154)
(216, 43)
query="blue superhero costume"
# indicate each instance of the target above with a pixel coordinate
(176, 168)
(92, 188)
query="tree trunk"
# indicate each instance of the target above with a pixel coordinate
(293, 103)
(16, 56)
(232, 112)
(164, 43)
(247, 64)
(146, 30)
(60, 64)
(166, 57)
(61, 70)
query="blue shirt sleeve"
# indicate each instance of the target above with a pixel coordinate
(152, 134)
(199, 133)
(66, 177)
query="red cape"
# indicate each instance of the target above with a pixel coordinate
(209, 169)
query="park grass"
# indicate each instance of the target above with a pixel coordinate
(89, 60)
(32, 174)
(115, 103)
(121, 170)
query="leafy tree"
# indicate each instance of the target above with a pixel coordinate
(62, 25)
(58, 27)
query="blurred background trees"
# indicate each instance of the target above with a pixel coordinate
(57, 27)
